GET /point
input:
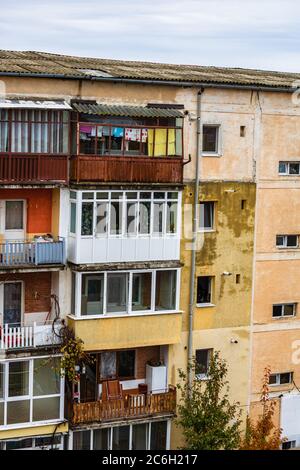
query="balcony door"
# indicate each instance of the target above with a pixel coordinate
(12, 303)
(14, 221)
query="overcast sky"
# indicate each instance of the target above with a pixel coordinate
(242, 33)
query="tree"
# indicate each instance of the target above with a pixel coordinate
(209, 421)
(263, 434)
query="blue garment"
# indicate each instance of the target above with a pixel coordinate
(118, 131)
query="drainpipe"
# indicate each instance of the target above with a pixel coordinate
(194, 235)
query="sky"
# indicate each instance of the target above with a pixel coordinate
(261, 34)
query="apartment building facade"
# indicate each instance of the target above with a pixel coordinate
(99, 164)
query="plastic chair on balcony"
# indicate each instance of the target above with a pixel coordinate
(112, 390)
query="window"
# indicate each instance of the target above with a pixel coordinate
(204, 289)
(287, 241)
(284, 310)
(139, 436)
(117, 364)
(287, 445)
(14, 215)
(127, 213)
(158, 435)
(202, 362)
(125, 292)
(289, 168)
(210, 144)
(206, 220)
(281, 379)
(34, 131)
(40, 443)
(32, 392)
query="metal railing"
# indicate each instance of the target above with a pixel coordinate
(16, 253)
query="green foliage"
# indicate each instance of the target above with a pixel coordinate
(208, 420)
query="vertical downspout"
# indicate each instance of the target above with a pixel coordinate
(194, 236)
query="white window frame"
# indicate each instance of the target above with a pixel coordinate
(204, 375)
(211, 290)
(2, 299)
(282, 305)
(277, 375)
(110, 434)
(285, 246)
(287, 168)
(218, 152)
(7, 399)
(129, 311)
(58, 446)
(123, 201)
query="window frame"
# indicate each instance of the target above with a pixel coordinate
(278, 375)
(287, 168)
(204, 375)
(211, 292)
(213, 216)
(218, 151)
(282, 305)
(167, 199)
(30, 396)
(129, 310)
(285, 246)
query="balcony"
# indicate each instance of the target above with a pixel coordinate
(33, 168)
(32, 253)
(130, 406)
(33, 336)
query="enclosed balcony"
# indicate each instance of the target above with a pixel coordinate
(34, 142)
(126, 144)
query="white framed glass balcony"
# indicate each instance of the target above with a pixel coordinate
(118, 293)
(107, 226)
(31, 392)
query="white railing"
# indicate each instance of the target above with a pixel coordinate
(18, 337)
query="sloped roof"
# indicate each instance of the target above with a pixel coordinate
(130, 111)
(43, 64)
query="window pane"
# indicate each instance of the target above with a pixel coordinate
(292, 240)
(139, 437)
(171, 217)
(87, 137)
(18, 411)
(14, 215)
(277, 310)
(141, 291)
(81, 440)
(202, 361)
(204, 290)
(19, 444)
(46, 408)
(285, 378)
(92, 294)
(131, 218)
(144, 215)
(273, 379)
(46, 379)
(87, 218)
(102, 218)
(117, 292)
(206, 215)
(73, 218)
(108, 365)
(288, 309)
(279, 240)
(158, 213)
(210, 139)
(158, 435)
(1, 413)
(116, 218)
(294, 169)
(282, 167)
(100, 439)
(126, 363)
(165, 290)
(120, 438)
(18, 379)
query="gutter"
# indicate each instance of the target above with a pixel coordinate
(153, 82)
(194, 239)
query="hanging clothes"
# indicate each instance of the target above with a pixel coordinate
(160, 143)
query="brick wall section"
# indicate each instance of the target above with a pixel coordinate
(142, 356)
(37, 289)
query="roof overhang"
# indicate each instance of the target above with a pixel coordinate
(34, 104)
(99, 109)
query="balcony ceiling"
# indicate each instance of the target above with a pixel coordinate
(128, 111)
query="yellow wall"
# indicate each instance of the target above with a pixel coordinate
(128, 331)
(33, 431)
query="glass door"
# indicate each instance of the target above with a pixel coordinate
(12, 303)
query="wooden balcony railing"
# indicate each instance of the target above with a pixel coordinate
(129, 169)
(131, 406)
(33, 168)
